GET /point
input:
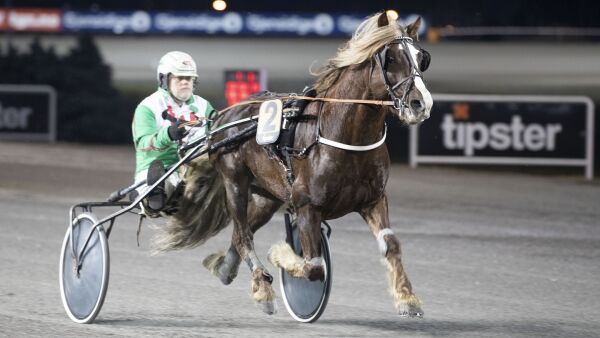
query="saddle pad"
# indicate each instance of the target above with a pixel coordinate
(269, 122)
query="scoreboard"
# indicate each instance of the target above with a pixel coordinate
(241, 83)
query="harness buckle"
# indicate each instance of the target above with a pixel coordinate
(398, 103)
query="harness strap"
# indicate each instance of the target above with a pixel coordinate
(288, 166)
(300, 152)
(344, 146)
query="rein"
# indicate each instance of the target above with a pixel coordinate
(324, 99)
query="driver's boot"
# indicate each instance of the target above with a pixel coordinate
(157, 197)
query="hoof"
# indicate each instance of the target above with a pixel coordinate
(214, 264)
(410, 308)
(411, 311)
(226, 280)
(314, 272)
(268, 307)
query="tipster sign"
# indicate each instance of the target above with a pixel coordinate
(27, 112)
(500, 136)
(531, 130)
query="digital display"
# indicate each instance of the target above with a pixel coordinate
(240, 84)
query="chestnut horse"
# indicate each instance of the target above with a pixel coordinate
(339, 174)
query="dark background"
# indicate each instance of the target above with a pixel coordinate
(577, 13)
(84, 80)
(38, 118)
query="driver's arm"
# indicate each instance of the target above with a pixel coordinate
(146, 133)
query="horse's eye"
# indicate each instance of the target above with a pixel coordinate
(390, 60)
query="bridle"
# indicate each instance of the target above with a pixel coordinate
(381, 60)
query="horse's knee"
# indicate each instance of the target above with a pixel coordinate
(388, 243)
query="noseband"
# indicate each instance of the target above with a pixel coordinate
(381, 59)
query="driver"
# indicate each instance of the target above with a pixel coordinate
(157, 128)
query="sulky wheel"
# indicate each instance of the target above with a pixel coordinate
(83, 288)
(305, 300)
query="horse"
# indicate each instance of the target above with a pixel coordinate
(246, 184)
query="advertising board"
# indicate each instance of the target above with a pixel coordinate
(509, 129)
(27, 112)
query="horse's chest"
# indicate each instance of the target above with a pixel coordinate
(356, 183)
(346, 185)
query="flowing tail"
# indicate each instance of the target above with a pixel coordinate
(202, 210)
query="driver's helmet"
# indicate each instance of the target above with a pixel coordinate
(176, 63)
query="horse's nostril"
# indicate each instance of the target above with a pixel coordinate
(417, 105)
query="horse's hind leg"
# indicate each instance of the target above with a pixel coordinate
(237, 184)
(405, 300)
(225, 265)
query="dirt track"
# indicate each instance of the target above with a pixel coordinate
(491, 254)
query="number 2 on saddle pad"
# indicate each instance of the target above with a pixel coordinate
(269, 122)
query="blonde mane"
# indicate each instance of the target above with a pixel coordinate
(366, 40)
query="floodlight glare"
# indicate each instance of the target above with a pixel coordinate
(392, 14)
(219, 5)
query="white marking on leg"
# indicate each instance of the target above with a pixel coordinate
(315, 261)
(383, 248)
(253, 262)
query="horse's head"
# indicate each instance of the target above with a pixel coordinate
(397, 66)
(401, 64)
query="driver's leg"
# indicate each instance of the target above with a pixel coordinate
(157, 198)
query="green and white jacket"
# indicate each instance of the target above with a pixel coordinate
(149, 129)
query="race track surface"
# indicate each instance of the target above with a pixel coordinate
(490, 253)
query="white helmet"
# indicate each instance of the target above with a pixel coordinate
(176, 63)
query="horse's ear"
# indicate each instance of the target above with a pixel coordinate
(382, 20)
(413, 29)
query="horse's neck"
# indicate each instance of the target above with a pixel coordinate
(357, 124)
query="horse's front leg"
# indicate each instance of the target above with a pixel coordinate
(310, 266)
(263, 294)
(407, 303)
